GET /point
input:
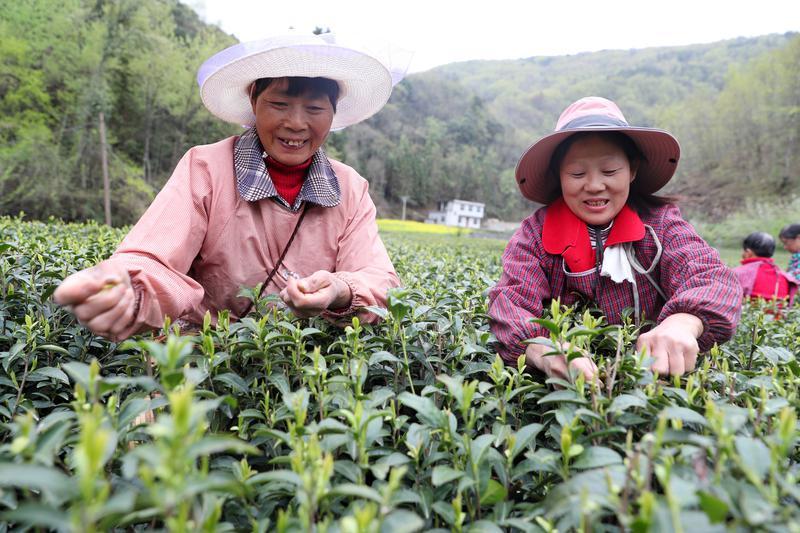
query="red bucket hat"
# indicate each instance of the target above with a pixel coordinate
(660, 149)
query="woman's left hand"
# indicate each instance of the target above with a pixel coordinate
(673, 344)
(310, 296)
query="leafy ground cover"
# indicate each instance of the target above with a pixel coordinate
(278, 424)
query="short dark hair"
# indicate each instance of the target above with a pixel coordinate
(302, 85)
(790, 231)
(762, 244)
(642, 203)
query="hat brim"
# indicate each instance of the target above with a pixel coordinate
(365, 83)
(660, 149)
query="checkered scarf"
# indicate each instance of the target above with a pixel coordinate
(253, 182)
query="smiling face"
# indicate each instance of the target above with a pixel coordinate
(291, 128)
(596, 178)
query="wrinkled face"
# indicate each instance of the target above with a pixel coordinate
(596, 179)
(791, 245)
(291, 128)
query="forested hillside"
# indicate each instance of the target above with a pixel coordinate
(457, 131)
(454, 131)
(62, 63)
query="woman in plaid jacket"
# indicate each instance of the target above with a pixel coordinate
(605, 238)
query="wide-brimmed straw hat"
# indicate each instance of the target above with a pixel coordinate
(660, 149)
(365, 83)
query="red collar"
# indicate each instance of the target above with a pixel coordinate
(567, 235)
(768, 260)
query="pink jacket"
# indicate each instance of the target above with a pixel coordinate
(748, 273)
(199, 243)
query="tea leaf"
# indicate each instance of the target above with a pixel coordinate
(52, 348)
(623, 402)
(79, 372)
(402, 521)
(444, 474)
(215, 444)
(382, 357)
(276, 476)
(234, 381)
(524, 437)
(566, 396)
(37, 515)
(754, 454)
(494, 493)
(426, 410)
(595, 457)
(38, 478)
(51, 372)
(715, 509)
(776, 354)
(356, 491)
(684, 414)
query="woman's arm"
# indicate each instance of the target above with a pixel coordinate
(519, 294)
(152, 260)
(704, 297)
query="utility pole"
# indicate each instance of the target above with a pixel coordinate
(104, 161)
(404, 199)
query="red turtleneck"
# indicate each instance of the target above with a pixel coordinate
(287, 179)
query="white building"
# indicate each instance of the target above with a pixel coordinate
(457, 213)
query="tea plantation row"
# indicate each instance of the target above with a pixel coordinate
(278, 424)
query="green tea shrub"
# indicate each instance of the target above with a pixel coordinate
(277, 424)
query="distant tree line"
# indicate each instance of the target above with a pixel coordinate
(62, 62)
(452, 132)
(458, 130)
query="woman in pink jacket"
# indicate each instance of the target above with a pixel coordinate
(267, 206)
(604, 237)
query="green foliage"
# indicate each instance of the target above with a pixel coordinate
(458, 130)
(278, 424)
(61, 64)
(743, 152)
(452, 132)
(770, 216)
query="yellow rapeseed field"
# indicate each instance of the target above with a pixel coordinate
(410, 226)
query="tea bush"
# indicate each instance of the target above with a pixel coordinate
(278, 424)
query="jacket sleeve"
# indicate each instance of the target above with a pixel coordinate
(520, 294)
(159, 250)
(697, 282)
(363, 263)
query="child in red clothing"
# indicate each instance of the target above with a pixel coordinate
(759, 275)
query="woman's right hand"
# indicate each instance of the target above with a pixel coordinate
(556, 365)
(101, 297)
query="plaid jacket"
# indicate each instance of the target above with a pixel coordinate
(690, 273)
(794, 265)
